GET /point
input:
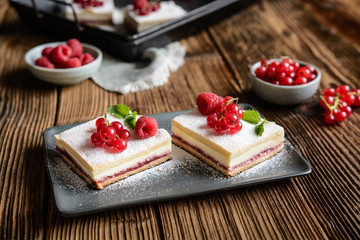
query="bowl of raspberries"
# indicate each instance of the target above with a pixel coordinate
(64, 63)
(284, 81)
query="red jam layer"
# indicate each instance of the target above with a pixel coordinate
(104, 179)
(229, 169)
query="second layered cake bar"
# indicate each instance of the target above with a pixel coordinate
(228, 153)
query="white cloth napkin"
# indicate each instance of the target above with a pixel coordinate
(152, 71)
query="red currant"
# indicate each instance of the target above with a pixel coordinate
(117, 125)
(342, 89)
(100, 127)
(346, 109)
(287, 81)
(227, 100)
(284, 67)
(300, 81)
(329, 118)
(236, 129)
(349, 99)
(119, 145)
(329, 100)
(220, 126)
(99, 122)
(231, 120)
(339, 115)
(124, 134)
(279, 76)
(270, 73)
(329, 92)
(232, 109)
(107, 133)
(212, 120)
(304, 72)
(311, 68)
(356, 93)
(296, 65)
(260, 72)
(274, 64)
(96, 140)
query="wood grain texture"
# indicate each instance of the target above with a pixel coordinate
(341, 15)
(322, 205)
(27, 108)
(291, 31)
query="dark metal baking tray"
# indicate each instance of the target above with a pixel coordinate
(48, 17)
(182, 176)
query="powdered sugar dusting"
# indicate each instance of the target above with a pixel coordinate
(79, 139)
(196, 122)
(182, 173)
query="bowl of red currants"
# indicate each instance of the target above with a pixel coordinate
(64, 63)
(284, 81)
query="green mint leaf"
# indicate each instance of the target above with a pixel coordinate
(252, 116)
(122, 109)
(259, 129)
(130, 121)
(119, 110)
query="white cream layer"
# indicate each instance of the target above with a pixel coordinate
(227, 160)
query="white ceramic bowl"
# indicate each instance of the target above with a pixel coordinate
(284, 95)
(66, 76)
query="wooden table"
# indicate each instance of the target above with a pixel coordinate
(321, 205)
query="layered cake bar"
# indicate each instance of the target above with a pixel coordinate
(228, 153)
(92, 12)
(138, 22)
(101, 166)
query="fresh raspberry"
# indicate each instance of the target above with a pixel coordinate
(86, 58)
(44, 62)
(139, 4)
(208, 103)
(75, 46)
(46, 51)
(146, 127)
(72, 63)
(60, 54)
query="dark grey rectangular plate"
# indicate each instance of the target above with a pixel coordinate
(182, 176)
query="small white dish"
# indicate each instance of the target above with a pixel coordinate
(64, 76)
(284, 95)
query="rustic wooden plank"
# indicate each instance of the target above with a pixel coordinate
(284, 28)
(243, 213)
(129, 223)
(341, 15)
(213, 216)
(27, 108)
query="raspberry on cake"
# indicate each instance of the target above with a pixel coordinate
(237, 147)
(101, 164)
(93, 12)
(143, 15)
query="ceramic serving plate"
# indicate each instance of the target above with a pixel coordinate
(182, 176)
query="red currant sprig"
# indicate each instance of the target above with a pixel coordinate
(337, 103)
(111, 134)
(227, 118)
